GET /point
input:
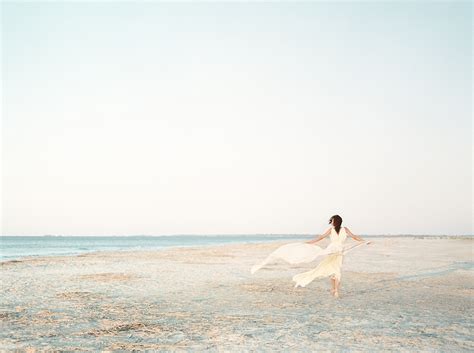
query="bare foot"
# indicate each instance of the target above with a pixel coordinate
(336, 294)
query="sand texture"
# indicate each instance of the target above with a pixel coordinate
(399, 294)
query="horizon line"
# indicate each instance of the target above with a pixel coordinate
(223, 234)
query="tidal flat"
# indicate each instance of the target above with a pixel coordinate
(397, 294)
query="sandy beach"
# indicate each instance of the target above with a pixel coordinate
(398, 294)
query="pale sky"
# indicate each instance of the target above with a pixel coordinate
(177, 118)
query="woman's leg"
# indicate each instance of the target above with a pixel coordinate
(337, 276)
(337, 283)
(333, 283)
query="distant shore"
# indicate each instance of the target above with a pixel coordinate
(243, 235)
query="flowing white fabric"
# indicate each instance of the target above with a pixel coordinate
(296, 253)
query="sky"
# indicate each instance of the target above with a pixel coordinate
(131, 118)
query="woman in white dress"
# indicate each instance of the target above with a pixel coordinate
(332, 264)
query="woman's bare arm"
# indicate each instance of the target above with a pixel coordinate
(321, 237)
(355, 237)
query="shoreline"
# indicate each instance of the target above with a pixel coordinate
(163, 248)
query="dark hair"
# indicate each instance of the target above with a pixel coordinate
(336, 221)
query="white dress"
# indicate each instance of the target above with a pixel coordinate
(331, 265)
(296, 253)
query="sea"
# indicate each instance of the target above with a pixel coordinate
(17, 247)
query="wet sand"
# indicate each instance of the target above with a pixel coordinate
(398, 294)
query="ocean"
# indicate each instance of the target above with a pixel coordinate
(15, 247)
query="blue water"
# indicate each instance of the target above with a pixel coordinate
(15, 247)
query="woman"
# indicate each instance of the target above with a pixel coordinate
(331, 265)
